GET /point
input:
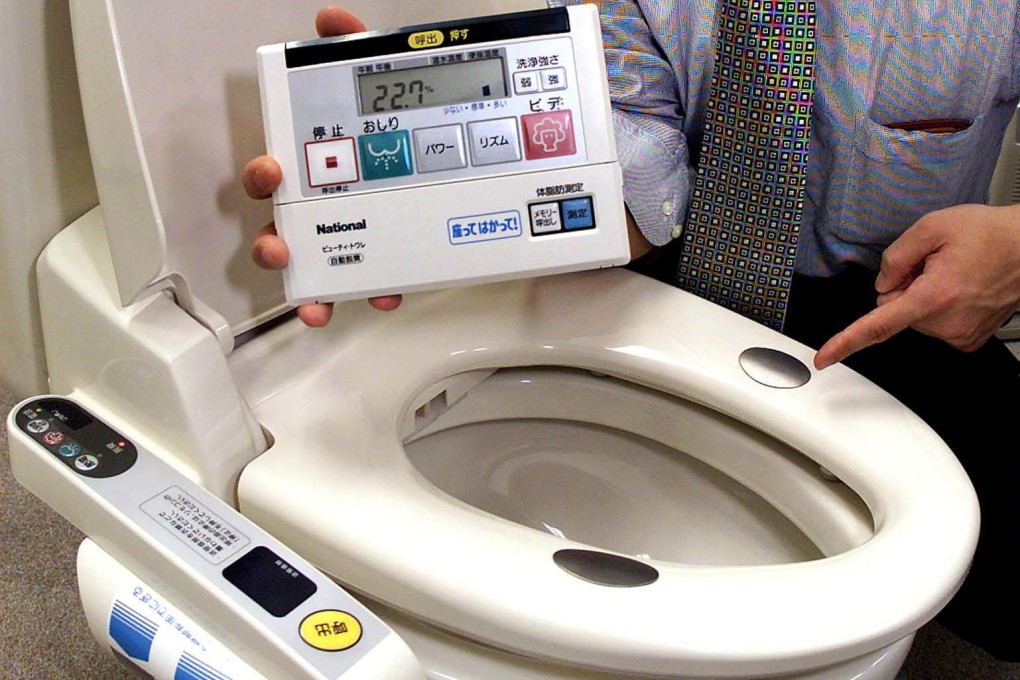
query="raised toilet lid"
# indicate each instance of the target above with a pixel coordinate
(338, 484)
(171, 103)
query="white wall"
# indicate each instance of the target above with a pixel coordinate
(1006, 191)
(1006, 181)
(45, 171)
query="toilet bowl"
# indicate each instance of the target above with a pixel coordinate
(558, 450)
(578, 470)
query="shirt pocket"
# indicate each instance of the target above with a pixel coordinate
(897, 176)
(911, 60)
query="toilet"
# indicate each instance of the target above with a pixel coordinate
(607, 430)
(589, 475)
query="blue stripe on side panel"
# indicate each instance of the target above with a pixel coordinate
(190, 668)
(131, 631)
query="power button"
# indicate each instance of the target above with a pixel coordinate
(331, 630)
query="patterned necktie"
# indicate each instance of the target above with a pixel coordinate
(740, 240)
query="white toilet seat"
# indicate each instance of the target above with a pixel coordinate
(337, 483)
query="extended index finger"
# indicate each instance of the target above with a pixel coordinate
(874, 327)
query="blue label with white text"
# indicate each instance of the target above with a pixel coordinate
(488, 227)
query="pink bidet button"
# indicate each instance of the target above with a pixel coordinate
(548, 135)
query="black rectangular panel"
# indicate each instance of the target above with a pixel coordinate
(270, 581)
(384, 43)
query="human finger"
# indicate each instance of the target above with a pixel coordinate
(316, 314)
(385, 303)
(903, 260)
(333, 21)
(261, 176)
(269, 251)
(886, 298)
(329, 22)
(874, 327)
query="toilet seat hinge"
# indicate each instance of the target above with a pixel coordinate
(177, 287)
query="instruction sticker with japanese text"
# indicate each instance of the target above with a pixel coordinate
(197, 527)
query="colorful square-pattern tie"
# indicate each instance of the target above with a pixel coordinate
(740, 239)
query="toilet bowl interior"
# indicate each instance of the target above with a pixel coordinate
(633, 470)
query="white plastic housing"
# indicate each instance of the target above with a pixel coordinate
(368, 231)
(161, 526)
(149, 363)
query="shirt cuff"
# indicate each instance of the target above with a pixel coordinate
(656, 178)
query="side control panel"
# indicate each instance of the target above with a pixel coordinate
(275, 610)
(76, 439)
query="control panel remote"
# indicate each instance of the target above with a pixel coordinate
(441, 155)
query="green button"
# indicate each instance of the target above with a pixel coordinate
(385, 155)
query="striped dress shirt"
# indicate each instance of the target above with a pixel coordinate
(912, 99)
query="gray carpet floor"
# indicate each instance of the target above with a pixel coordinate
(43, 632)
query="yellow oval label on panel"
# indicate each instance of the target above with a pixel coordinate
(331, 630)
(425, 39)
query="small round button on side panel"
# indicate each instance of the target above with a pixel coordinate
(86, 462)
(773, 368)
(100, 463)
(69, 450)
(331, 630)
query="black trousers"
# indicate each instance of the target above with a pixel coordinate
(972, 400)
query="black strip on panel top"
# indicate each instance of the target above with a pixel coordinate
(467, 31)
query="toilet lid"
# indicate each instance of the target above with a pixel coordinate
(171, 102)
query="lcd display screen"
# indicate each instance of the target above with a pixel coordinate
(438, 85)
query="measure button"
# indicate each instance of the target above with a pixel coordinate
(578, 214)
(440, 148)
(331, 630)
(331, 162)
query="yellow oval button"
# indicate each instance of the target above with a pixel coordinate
(331, 630)
(425, 39)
